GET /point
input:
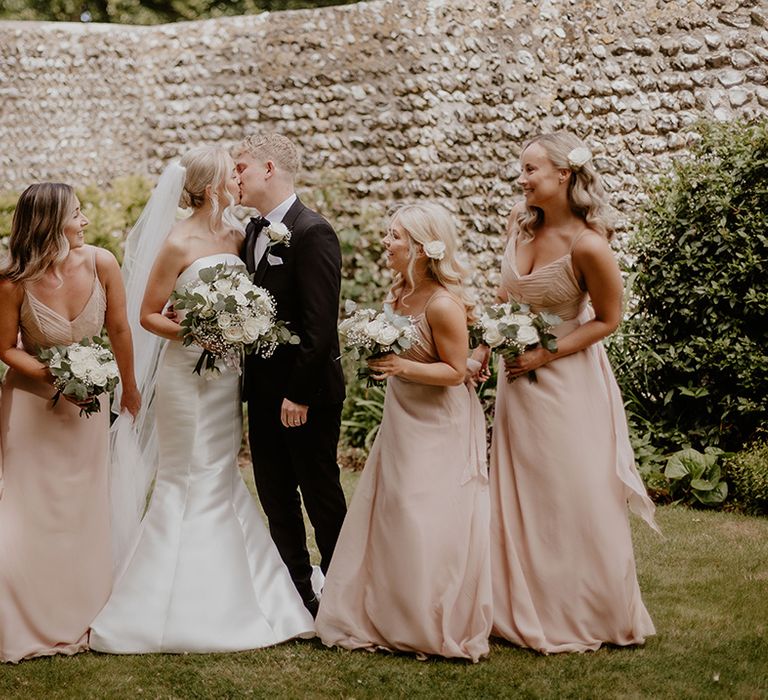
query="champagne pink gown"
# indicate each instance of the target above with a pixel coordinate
(562, 472)
(411, 569)
(55, 559)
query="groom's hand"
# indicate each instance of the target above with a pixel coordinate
(292, 414)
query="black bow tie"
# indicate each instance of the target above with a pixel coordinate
(258, 224)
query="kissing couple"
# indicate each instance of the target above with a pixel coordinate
(200, 573)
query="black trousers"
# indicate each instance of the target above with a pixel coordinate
(287, 461)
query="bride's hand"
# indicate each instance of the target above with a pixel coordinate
(130, 401)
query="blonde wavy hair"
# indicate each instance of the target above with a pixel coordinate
(37, 240)
(425, 222)
(586, 194)
(209, 166)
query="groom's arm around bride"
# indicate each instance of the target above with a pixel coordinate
(295, 396)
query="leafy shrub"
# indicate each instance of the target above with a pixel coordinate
(362, 414)
(747, 472)
(113, 210)
(691, 358)
(695, 477)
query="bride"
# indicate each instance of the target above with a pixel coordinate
(201, 573)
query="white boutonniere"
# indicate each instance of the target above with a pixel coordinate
(278, 233)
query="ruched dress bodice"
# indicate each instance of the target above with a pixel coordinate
(553, 287)
(42, 327)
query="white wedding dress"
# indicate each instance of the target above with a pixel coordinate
(205, 575)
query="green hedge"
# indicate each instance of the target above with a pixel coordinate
(691, 358)
(747, 474)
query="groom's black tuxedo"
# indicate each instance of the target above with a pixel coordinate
(304, 278)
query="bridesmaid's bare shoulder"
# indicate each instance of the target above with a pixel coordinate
(10, 292)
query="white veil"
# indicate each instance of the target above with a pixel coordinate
(133, 443)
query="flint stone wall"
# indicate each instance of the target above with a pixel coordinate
(390, 99)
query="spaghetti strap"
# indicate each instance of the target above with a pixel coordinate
(446, 294)
(577, 239)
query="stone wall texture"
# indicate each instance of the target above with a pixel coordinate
(390, 99)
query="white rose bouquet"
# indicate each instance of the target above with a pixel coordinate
(367, 333)
(83, 371)
(511, 328)
(229, 316)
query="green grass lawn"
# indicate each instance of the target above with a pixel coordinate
(705, 584)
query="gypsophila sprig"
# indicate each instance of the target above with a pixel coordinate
(229, 316)
(83, 371)
(511, 328)
(367, 334)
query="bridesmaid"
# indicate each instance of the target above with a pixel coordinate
(562, 468)
(411, 570)
(55, 562)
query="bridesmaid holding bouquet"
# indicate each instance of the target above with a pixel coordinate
(562, 467)
(411, 570)
(55, 559)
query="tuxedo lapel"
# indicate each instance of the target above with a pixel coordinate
(247, 250)
(262, 268)
(293, 213)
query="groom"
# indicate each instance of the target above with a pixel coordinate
(295, 396)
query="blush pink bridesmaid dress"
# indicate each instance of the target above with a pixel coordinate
(411, 569)
(562, 473)
(55, 559)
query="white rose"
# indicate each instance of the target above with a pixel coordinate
(278, 232)
(434, 250)
(240, 298)
(255, 327)
(233, 334)
(527, 335)
(99, 375)
(79, 353)
(579, 157)
(79, 368)
(224, 320)
(373, 328)
(493, 337)
(387, 335)
(517, 320)
(111, 369)
(223, 285)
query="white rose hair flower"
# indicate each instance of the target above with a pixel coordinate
(579, 157)
(434, 250)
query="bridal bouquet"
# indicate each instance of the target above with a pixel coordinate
(229, 316)
(83, 371)
(511, 328)
(368, 333)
